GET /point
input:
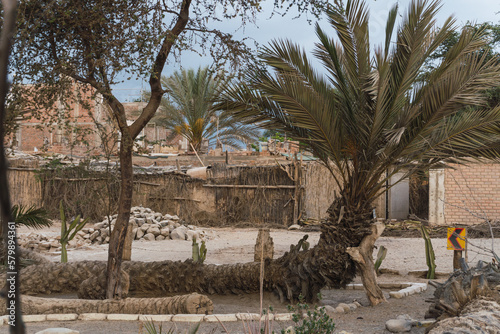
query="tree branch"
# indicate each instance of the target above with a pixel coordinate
(155, 77)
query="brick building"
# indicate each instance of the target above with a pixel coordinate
(77, 134)
(87, 128)
(465, 194)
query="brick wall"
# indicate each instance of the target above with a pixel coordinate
(474, 188)
(41, 134)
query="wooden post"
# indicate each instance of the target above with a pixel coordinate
(457, 255)
(297, 189)
(127, 248)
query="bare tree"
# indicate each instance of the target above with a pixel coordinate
(98, 42)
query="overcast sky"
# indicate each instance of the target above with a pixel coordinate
(303, 33)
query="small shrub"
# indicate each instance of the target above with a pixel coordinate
(310, 321)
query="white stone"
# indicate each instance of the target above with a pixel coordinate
(165, 232)
(178, 234)
(62, 317)
(145, 227)
(163, 223)
(352, 306)
(283, 316)
(294, 227)
(58, 331)
(344, 306)
(154, 230)
(94, 235)
(220, 317)
(34, 318)
(192, 234)
(155, 317)
(99, 226)
(188, 317)
(330, 310)
(247, 316)
(398, 325)
(139, 234)
(149, 237)
(396, 294)
(339, 309)
(160, 238)
(174, 217)
(123, 317)
(92, 316)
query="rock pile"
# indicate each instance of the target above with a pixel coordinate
(147, 225)
(41, 242)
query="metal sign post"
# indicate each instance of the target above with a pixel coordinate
(456, 241)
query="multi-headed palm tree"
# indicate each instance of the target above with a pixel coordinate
(187, 111)
(368, 116)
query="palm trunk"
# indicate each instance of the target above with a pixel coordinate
(185, 304)
(297, 272)
(119, 234)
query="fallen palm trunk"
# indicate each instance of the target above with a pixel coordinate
(467, 302)
(479, 316)
(299, 272)
(463, 287)
(185, 304)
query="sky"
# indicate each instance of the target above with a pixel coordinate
(301, 32)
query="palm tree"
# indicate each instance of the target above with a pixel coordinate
(188, 111)
(366, 119)
(369, 116)
(32, 216)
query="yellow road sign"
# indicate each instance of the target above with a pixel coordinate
(456, 238)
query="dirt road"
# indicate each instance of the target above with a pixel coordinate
(237, 245)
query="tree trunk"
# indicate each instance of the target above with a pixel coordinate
(127, 248)
(118, 236)
(363, 255)
(185, 304)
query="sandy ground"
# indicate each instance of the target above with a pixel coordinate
(236, 245)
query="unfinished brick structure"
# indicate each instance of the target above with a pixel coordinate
(76, 135)
(465, 195)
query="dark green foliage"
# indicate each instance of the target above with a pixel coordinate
(68, 232)
(187, 110)
(311, 321)
(31, 217)
(382, 252)
(430, 257)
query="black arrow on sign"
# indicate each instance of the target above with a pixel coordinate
(453, 238)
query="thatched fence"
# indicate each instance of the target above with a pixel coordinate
(277, 194)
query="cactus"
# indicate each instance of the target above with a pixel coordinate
(199, 253)
(429, 253)
(68, 232)
(382, 252)
(203, 252)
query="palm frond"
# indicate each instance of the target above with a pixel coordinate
(31, 217)
(369, 116)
